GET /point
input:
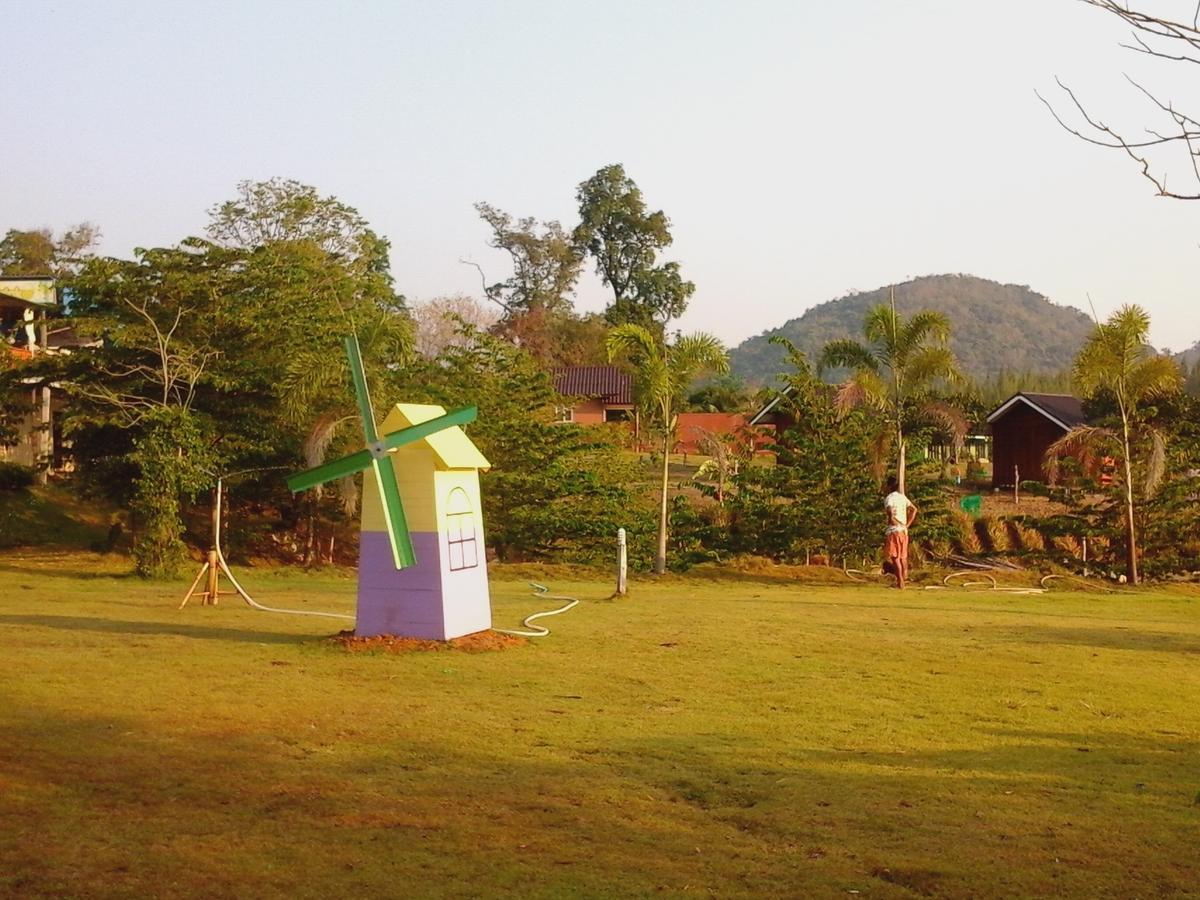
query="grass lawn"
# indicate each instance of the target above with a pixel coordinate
(736, 737)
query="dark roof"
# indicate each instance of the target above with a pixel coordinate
(1062, 409)
(610, 384)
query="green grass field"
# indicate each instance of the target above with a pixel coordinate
(736, 737)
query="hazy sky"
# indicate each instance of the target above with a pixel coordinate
(801, 149)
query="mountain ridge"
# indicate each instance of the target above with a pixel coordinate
(995, 328)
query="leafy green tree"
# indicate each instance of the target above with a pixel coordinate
(37, 253)
(159, 344)
(662, 374)
(240, 338)
(14, 399)
(624, 239)
(545, 263)
(896, 374)
(283, 211)
(173, 458)
(727, 394)
(1170, 520)
(537, 297)
(1118, 362)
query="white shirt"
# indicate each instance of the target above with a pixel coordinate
(897, 506)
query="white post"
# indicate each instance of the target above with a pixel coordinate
(1016, 486)
(1085, 568)
(622, 563)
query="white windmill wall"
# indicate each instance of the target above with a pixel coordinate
(466, 604)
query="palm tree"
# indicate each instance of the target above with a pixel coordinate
(894, 374)
(662, 372)
(1118, 361)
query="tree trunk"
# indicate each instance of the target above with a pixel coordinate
(660, 558)
(900, 461)
(1131, 566)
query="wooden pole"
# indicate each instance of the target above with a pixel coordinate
(192, 589)
(622, 564)
(215, 562)
(1085, 568)
(211, 592)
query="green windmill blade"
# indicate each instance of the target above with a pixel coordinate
(385, 475)
(330, 471)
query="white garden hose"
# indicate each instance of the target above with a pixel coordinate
(540, 590)
(988, 587)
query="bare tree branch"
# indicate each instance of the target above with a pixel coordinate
(1153, 36)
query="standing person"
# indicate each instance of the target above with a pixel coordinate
(901, 513)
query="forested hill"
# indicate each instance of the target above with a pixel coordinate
(1191, 356)
(995, 327)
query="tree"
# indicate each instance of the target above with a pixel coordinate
(895, 373)
(545, 265)
(36, 253)
(727, 394)
(820, 496)
(159, 341)
(237, 341)
(536, 298)
(437, 323)
(282, 210)
(624, 240)
(1164, 39)
(662, 374)
(1117, 361)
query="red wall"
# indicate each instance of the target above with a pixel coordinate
(692, 425)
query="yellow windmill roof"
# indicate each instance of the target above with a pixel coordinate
(451, 446)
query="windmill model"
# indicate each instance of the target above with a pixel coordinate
(421, 566)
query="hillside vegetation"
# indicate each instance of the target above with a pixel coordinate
(996, 327)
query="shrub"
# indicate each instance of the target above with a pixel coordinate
(15, 477)
(1034, 489)
(1067, 543)
(994, 533)
(1026, 537)
(966, 538)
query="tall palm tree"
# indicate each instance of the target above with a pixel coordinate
(895, 372)
(662, 372)
(1117, 360)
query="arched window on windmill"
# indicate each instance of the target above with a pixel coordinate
(460, 531)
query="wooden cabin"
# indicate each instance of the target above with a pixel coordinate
(1023, 428)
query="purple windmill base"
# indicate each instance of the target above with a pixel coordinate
(405, 602)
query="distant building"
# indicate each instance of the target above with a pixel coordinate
(1023, 428)
(26, 305)
(595, 394)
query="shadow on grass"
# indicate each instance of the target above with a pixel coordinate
(1114, 638)
(117, 626)
(57, 571)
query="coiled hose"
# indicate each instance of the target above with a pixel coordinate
(540, 591)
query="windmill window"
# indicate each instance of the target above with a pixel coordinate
(460, 531)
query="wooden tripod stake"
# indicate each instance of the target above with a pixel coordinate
(215, 563)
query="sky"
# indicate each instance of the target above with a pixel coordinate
(802, 150)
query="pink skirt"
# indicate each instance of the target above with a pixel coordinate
(895, 545)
